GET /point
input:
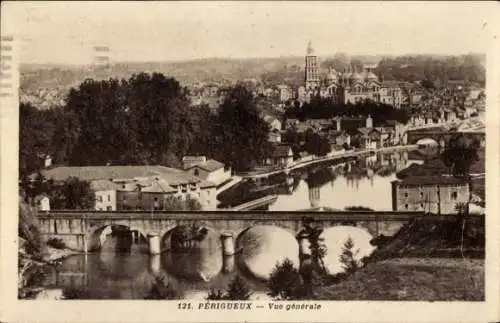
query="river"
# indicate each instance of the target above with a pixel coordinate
(191, 273)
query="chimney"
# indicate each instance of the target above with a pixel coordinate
(48, 161)
(369, 122)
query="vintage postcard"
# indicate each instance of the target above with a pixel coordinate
(249, 161)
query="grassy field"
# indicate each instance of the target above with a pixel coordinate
(412, 279)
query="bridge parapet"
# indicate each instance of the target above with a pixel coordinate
(78, 228)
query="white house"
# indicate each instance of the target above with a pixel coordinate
(105, 194)
(42, 202)
(206, 169)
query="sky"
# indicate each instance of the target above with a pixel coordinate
(65, 32)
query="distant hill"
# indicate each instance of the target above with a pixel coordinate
(272, 71)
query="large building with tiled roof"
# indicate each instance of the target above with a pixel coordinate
(206, 169)
(431, 188)
(350, 85)
(138, 187)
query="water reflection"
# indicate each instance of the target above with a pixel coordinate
(364, 182)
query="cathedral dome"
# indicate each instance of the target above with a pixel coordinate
(371, 76)
(332, 75)
(356, 77)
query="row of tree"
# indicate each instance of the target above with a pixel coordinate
(411, 68)
(324, 108)
(146, 119)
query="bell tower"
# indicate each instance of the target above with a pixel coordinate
(312, 71)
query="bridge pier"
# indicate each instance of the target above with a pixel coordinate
(228, 263)
(227, 244)
(304, 245)
(155, 264)
(154, 244)
(85, 246)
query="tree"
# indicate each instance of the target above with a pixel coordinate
(349, 263)
(73, 193)
(241, 133)
(316, 144)
(36, 128)
(284, 282)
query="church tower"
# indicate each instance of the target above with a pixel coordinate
(312, 70)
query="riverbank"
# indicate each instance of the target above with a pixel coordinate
(32, 272)
(412, 279)
(425, 261)
(330, 157)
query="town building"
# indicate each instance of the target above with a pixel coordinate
(431, 194)
(430, 187)
(338, 140)
(42, 202)
(138, 187)
(285, 93)
(281, 156)
(206, 169)
(350, 86)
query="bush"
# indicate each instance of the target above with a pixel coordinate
(237, 291)
(284, 282)
(216, 296)
(56, 243)
(161, 289)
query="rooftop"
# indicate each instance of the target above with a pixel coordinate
(431, 180)
(436, 167)
(210, 165)
(92, 173)
(281, 151)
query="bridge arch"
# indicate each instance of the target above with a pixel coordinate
(432, 142)
(98, 236)
(166, 234)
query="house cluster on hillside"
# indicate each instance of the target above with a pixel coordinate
(148, 187)
(449, 104)
(352, 131)
(44, 98)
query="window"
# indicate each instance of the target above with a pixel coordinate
(124, 198)
(124, 186)
(421, 194)
(406, 194)
(109, 198)
(99, 198)
(422, 205)
(196, 172)
(454, 195)
(406, 206)
(109, 208)
(156, 199)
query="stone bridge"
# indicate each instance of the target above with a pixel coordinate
(84, 230)
(441, 137)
